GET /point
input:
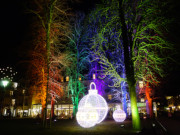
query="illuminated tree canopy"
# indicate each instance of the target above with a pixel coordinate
(123, 40)
(79, 58)
(51, 19)
(132, 33)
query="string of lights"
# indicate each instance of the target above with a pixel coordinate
(7, 73)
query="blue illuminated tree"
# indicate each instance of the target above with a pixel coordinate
(107, 50)
(78, 56)
(130, 39)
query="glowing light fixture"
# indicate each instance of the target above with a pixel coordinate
(15, 84)
(119, 115)
(141, 84)
(92, 109)
(142, 100)
(5, 83)
(79, 78)
(67, 78)
(94, 76)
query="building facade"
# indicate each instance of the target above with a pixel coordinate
(20, 103)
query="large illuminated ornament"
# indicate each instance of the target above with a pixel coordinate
(92, 109)
(87, 118)
(119, 115)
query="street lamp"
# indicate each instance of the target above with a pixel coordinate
(5, 83)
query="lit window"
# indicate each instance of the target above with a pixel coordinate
(94, 76)
(109, 97)
(62, 79)
(142, 99)
(13, 101)
(23, 91)
(140, 84)
(79, 78)
(11, 93)
(67, 78)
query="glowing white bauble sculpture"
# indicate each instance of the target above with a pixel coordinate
(92, 108)
(87, 118)
(119, 115)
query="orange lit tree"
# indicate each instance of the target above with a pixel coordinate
(37, 66)
(55, 88)
(52, 19)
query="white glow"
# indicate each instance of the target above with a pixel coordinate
(141, 84)
(92, 107)
(5, 83)
(15, 84)
(119, 115)
(87, 118)
(142, 99)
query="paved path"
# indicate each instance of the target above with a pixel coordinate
(172, 125)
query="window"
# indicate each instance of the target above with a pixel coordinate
(67, 78)
(26, 102)
(142, 100)
(109, 97)
(140, 84)
(13, 101)
(94, 76)
(11, 93)
(23, 91)
(62, 79)
(79, 78)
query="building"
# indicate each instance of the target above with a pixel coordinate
(19, 102)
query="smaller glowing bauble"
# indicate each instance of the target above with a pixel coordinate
(119, 115)
(92, 109)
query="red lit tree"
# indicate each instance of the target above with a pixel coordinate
(52, 21)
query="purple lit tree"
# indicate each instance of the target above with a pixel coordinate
(130, 39)
(108, 53)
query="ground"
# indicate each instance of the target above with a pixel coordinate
(70, 127)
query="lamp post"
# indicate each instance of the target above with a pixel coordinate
(23, 92)
(4, 83)
(15, 84)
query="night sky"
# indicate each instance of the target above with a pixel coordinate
(13, 28)
(14, 24)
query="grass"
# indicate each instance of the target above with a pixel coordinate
(63, 127)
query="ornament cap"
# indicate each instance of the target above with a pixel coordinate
(93, 91)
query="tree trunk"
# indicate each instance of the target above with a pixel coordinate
(52, 107)
(129, 68)
(124, 92)
(48, 28)
(75, 107)
(48, 62)
(148, 91)
(124, 101)
(134, 109)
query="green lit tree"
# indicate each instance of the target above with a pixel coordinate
(78, 58)
(141, 27)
